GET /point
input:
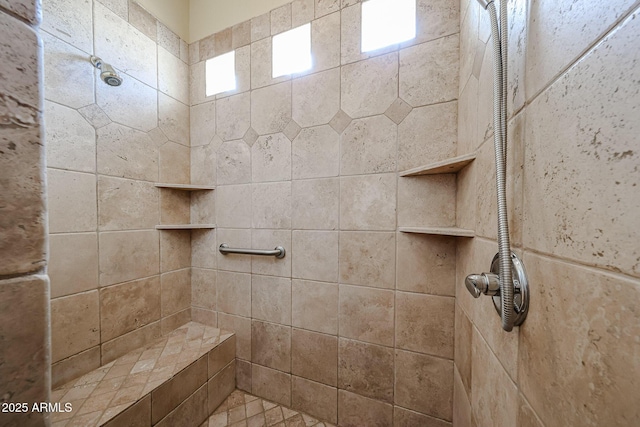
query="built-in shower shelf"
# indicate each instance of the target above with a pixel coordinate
(439, 231)
(185, 227)
(453, 165)
(185, 187)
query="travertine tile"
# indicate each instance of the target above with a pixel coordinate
(426, 264)
(95, 116)
(22, 235)
(170, 394)
(467, 117)
(120, 346)
(281, 19)
(73, 263)
(271, 299)
(243, 376)
(72, 367)
(27, 9)
(234, 163)
(323, 7)
(126, 205)
(269, 239)
(556, 42)
(174, 206)
(365, 369)
(436, 19)
(132, 104)
(221, 386)
(203, 248)
(425, 323)
(406, 418)
(260, 27)
(366, 314)
(314, 356)
(314, 306)
(462, 353)
(429, 72)
(316, 98)
(68, 80)
(124, 47)
(175, 250)
(315, 255)
(176, 291)
(461, 405)
(115, 142)
(207, 47)
(71, 21)
(234, 206)
(173, 119)
(302, 11)
(261, 64)
(174, 161)
(203, 123)
(425, 384)
(368, 202)
(28, 383)
(197, 91)
(340, 121)
(271, 345)
(598, 380)
(316, 399)
(75, 324)
(71, 141)
(398, 111)
(425, 136)
(173, 76)
(316, 204)
(427, 201)
(325, 42)
(142, 307)
(526, 415)
(222, 41)
(233, 116)
(271, 205)
(168, 40)
(234, 293)
(203, 207)
(271, 158)
(235, 239)
(241, 34)
(241, 326)
(271, 108)
(71, 191)
(119, 7)
(128, 255)
(140, 412)
(601, 154)
(204, 288)
(193, 411)
(184, 51)
(221, 356)
(315, 153)
(368, 259)
(488, 374)
(355, 410)
(271, 384)
(142, 20)
(369, 87)
(369, 146)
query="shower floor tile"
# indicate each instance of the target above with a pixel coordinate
(245, 410)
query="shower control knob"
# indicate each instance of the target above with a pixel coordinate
(485, 283)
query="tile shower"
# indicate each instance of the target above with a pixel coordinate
(360, 324)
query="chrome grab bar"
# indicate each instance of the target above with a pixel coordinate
(278, 252)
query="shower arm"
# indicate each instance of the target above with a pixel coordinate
(500, 283)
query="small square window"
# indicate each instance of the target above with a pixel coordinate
(387, 22)
(292, 51)
(220, 73)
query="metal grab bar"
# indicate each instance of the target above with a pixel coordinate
(278, 252)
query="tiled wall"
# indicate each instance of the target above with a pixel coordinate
(24, 286)
(355, 325)
(573, 200)
(116, 282)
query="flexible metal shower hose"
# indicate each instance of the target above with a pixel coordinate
(499, 36)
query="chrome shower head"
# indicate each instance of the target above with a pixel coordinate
(107, 72)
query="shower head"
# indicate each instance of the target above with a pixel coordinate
(107, 72)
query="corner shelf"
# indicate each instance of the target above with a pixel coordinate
(452, 165)
(186, 227)
(185, 187)
(439, 231)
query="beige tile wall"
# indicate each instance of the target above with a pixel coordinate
(116, 282)
(573, 174)
(24, 285)
(356, 324)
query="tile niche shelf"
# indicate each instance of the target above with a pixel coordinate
(189, 188)
(452, 165)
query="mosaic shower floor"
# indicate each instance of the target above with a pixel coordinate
(244, 410)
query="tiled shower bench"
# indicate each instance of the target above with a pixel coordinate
(178, 380)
